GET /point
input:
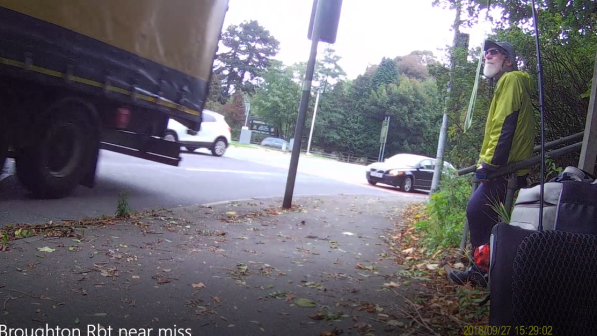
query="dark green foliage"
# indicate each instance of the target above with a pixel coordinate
(123, 209)
(447, 213)
(248, 51)
(412, 89)
(386, 73)
(277, 100)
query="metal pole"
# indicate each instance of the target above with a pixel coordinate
(383, 151)
(541, 114)
(313, 122)
(441, 145)
(466, 228)
(510, 190)
(247, 111)
(300, 123)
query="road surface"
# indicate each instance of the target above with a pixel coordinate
(242, 173)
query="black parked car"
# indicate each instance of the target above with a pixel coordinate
(407, 171)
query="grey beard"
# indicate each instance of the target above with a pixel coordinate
(490, 71)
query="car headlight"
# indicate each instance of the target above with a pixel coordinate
(395, 173)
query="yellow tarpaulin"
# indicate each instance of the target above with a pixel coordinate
(179, 34)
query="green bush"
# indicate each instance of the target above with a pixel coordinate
(446, 211)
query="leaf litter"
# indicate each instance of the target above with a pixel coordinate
(440, 307)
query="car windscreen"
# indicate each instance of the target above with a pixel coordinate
(404, 160)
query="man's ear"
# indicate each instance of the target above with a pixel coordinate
(508, 63)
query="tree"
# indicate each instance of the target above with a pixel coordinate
(234, 111)
(277, 100)
(386, 72)
(327, 70)
(249, 51)
(414, 65)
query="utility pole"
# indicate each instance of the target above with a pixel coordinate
(313, 123)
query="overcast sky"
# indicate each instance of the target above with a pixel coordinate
(368, 30)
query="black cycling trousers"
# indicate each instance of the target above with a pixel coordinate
(479, 213)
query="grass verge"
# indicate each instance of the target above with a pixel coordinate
(237, 144)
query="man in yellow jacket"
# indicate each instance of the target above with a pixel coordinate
(509, 137)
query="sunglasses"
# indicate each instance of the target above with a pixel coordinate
(492, 52)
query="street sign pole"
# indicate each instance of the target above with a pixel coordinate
(385, 125)
(300, 124)
(247, 110)
(385, 138)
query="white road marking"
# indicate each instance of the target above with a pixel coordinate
(230, 171)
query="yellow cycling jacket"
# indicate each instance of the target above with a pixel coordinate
(510, 126)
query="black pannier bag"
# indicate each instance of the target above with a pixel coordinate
(547, 280)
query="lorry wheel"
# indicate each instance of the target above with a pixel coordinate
(3, 150)
(3, 142)
(170, 136)
(6, 101)
(54, 165)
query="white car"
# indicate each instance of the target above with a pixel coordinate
(213, 135)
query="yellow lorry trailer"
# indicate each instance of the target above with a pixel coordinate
(77, 76)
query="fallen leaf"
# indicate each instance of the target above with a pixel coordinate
(391, 284)
(230, 325)
(46, 249)
(135, 277)
(317, 317)
(198, 285)
(396, 323)
(290, 297)
(231, 213)
(408, 250)
(432, 267)
(166, 270)
(77, 321)
(101, 314)
(216, 299)
(305, 303)
(333, 332)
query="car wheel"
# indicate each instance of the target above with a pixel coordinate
(219, 147)
(371, 182)
(190, 149)
(407, 184)
(171, 136)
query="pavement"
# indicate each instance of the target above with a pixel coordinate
(240, 268)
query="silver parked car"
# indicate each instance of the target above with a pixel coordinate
(274, 142)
